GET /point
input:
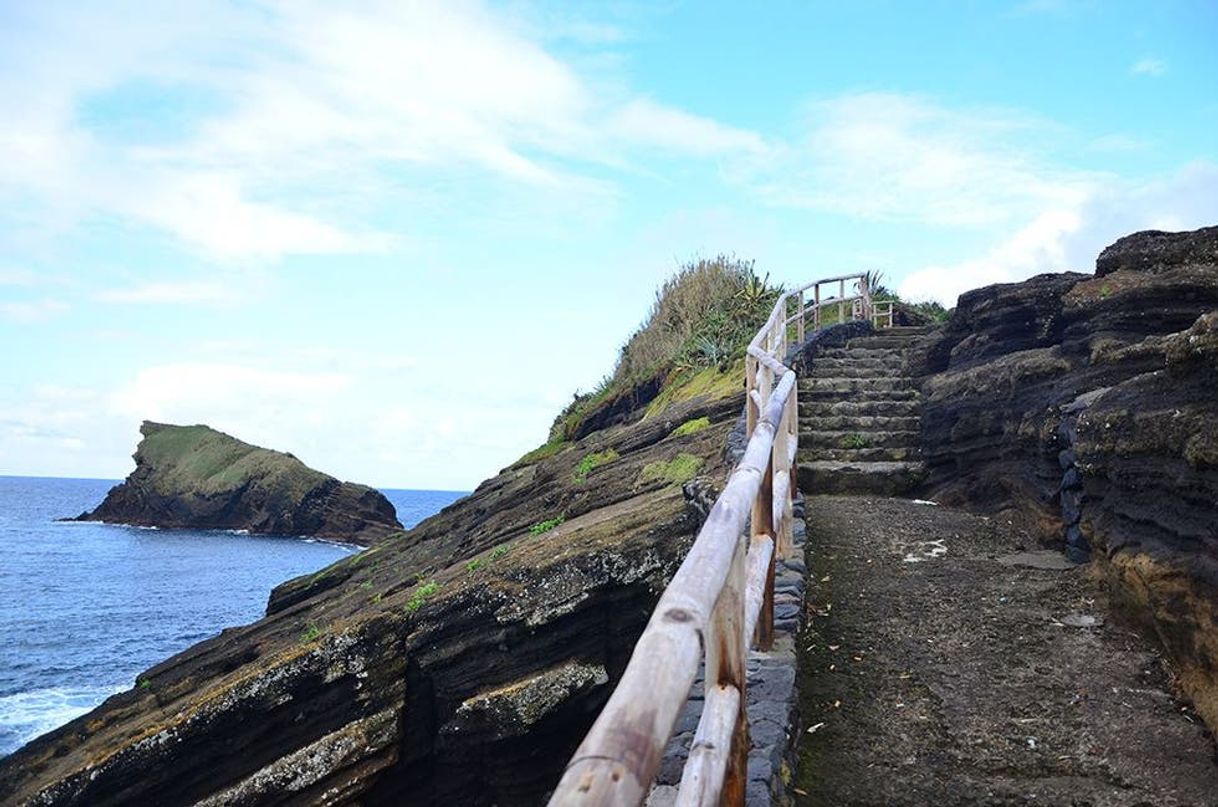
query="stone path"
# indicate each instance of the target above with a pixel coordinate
(945, 662)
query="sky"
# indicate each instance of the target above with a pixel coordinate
(394, 238)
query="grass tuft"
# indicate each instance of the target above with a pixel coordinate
(421, 595)
(691, 427)
(547, 525)
(591, 461)
(676, 471)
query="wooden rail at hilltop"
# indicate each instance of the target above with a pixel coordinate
(721, 596)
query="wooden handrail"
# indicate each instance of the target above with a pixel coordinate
(720, 599)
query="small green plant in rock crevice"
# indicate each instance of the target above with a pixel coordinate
(310, 633)
(474, 565)
(500, 551)
(547, 525)
(421, 595)
(855, 441)
(593, 460)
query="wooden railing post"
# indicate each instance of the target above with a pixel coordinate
(799, 323)
(751, 408)
(816, 313)
(725, 667)
(763, 524)
(841, 305)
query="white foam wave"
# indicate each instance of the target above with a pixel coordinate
(25, 715)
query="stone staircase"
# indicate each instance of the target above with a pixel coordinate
(859, 414)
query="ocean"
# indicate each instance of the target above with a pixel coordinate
(86, 607)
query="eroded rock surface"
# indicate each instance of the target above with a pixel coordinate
(197, 477)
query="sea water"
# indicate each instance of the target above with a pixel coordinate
(86, 607)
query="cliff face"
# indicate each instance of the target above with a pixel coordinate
(1087, 406)
(460, 662)
(194, 476)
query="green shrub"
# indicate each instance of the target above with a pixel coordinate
(691, 426)
(676, 471)
(421, 595)
(547, 525)
(593, 460)
(702, 317)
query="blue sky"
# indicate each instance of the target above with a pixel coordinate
(394, 237)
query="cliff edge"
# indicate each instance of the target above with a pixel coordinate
(197, 477)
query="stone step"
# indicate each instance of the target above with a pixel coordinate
(814, 440)
(854, 423)
(847, 393)
(857, 370)
(817, 384)
(872, 342)
(877, 478)
(830, 366)
(907, 330)
(855, 354)
(883, 408)
(861, 455)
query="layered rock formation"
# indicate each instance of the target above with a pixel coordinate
(458, 663)
(197, 477)
(1086, 406)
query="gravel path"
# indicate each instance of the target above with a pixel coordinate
(937, 667)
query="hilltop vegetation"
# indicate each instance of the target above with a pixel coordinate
(694, 335)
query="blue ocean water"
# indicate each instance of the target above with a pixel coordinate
(86, 607)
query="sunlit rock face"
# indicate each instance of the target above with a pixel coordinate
(1086, 405)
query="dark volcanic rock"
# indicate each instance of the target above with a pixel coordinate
(458, 663)
(1149, 451)
(1086, 408)
(197, 477)
(1156, 251)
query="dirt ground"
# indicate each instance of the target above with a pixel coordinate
(937, 669)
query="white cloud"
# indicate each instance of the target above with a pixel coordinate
(1037, 247)
(645, 121)
(172, 292)
(1071, 238)
(31, 311)
(1148, 66)
(888, 156)
(313, 102)
(17, 277)
(197, 391)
